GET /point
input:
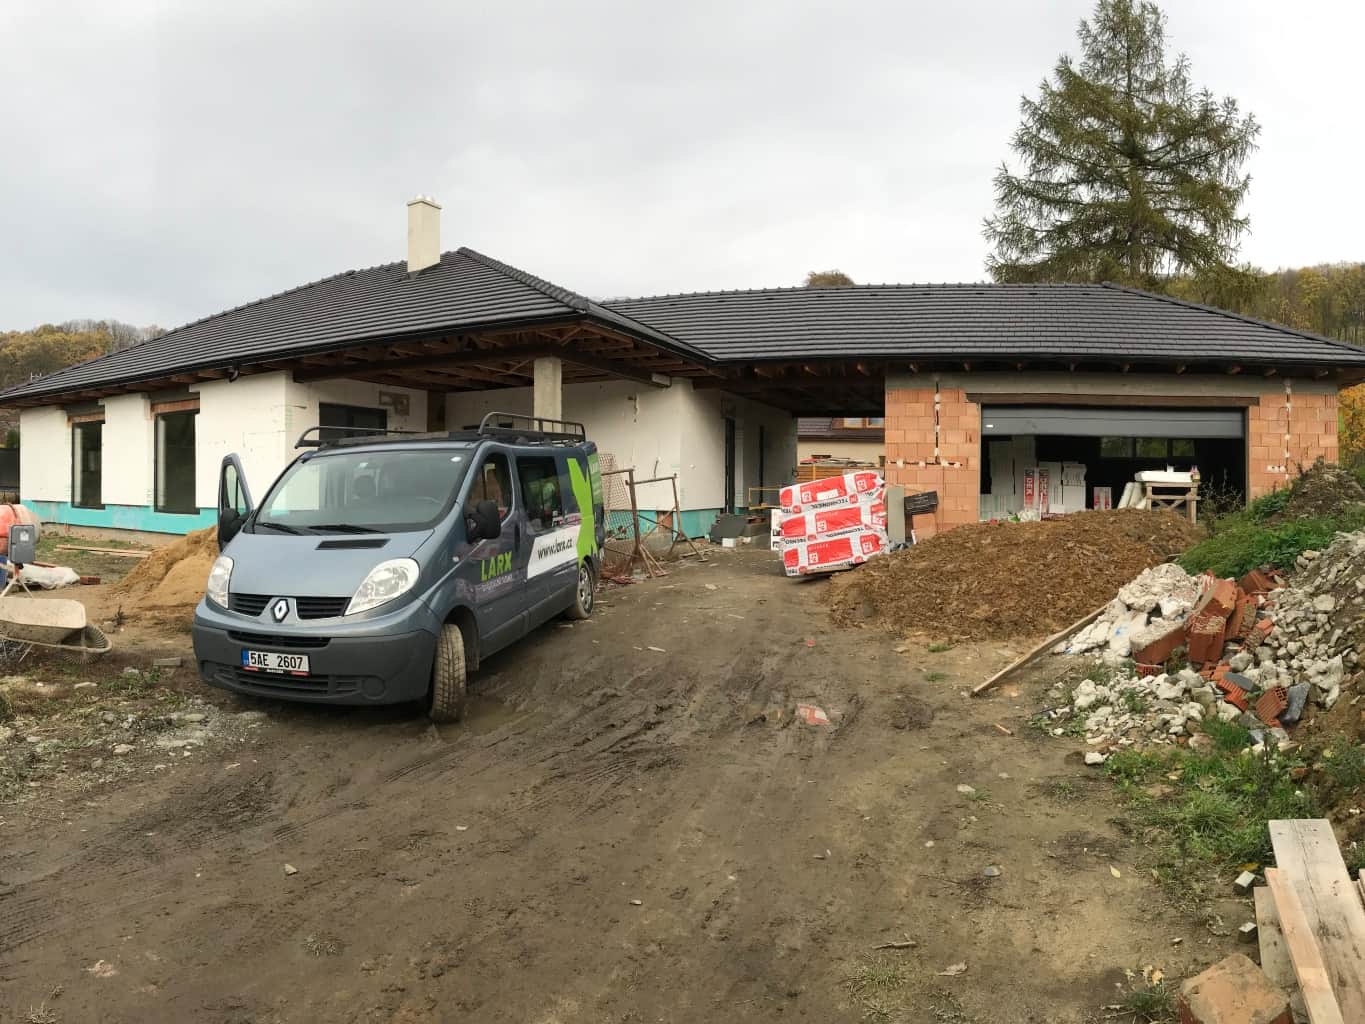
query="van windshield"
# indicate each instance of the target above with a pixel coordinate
(364, 492)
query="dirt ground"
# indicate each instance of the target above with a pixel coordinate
(631, 827)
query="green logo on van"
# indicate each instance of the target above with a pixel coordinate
(498, 565)
(583, 495)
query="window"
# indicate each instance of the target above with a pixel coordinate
(332, 415)
(87, 451)
(1182, 449)
(175, 462)
(854, 421)
(365, 492)
(1151, 447)
(876, 421)
(494, 483)
(1116, 447)
(543, 492)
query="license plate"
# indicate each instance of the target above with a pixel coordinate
(272, 661)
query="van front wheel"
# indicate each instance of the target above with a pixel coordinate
(584, 593)
(448, 676)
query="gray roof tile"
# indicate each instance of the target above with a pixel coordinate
(976, 321)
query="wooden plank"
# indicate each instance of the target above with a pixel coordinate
(1047, 644)
(1275, 960)
(1310, 862)
(120, 552)
(1304, 951)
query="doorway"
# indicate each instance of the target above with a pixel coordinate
(729, 464)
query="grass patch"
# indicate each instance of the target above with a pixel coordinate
(1228, 737)
(1344, 764)
(1244, 540)
(1215, 813)
(322, 945)
(939, 648)
(1134, 701)
(6, 708)
(1150, 1004)
(935, 677)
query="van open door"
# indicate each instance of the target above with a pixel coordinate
(234, 499)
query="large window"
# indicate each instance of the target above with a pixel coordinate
(175, 462)
(332, 415)
(87, 464)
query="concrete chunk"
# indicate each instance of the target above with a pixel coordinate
(1233, 991)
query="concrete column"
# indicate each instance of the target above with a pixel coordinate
(547, 397)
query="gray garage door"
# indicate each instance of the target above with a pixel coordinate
(1078, 421)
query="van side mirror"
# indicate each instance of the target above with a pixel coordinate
(487, 522)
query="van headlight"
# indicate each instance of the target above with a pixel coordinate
(219, 577)
(386, 581)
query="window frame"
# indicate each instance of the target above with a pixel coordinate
(79, 428)
(561, 484)
(159, 502)
(476, 481)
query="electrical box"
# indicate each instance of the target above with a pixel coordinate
(23, 543)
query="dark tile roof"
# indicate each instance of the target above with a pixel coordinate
(976, 321)
(465, 291)
(831, 428)
(468, 291)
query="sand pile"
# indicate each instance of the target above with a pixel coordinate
(992, 580)
(170, 581)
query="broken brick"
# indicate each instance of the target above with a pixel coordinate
(1144, 670)
(1232, 693)
(1233, 991)
(1257, 581)
(1219, 601)
(1242, 615)
(1259, 632)
(1157, 651)
(1206, 638)
(1271, 705)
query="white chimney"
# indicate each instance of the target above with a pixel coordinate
(424, 233)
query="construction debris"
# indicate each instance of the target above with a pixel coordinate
(1233, 991)
(987, 581)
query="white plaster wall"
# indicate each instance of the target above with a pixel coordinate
(659, 432)
(626, 420)
(261, 416)
(129, 451)
(247, 416)
(304, 399)
(44, 454)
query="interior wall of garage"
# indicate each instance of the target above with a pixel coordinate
(1289, 423)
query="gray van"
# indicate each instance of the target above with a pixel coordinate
(382, 567)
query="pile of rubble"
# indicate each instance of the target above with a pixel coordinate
(1256, 652)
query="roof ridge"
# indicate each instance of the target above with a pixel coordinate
(557, 292)
(782, 289)
(1282, 328)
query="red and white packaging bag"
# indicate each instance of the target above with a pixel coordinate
(832, 492)
(827, 554)
(808, 526)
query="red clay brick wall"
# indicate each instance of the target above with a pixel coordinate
(1309, 420)
(955, 472)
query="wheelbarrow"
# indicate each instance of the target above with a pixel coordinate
(56, 623)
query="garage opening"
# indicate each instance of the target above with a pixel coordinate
(1093, 453)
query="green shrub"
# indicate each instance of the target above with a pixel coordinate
(1227, 736)
(1243, 542)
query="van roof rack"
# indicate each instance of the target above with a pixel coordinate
(513, 427)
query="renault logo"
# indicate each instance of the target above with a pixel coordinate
(280, 609)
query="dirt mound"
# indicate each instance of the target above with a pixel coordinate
(170, 581)
(1322, 491)
(991, 580)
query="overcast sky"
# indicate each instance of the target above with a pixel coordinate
(164, 160)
